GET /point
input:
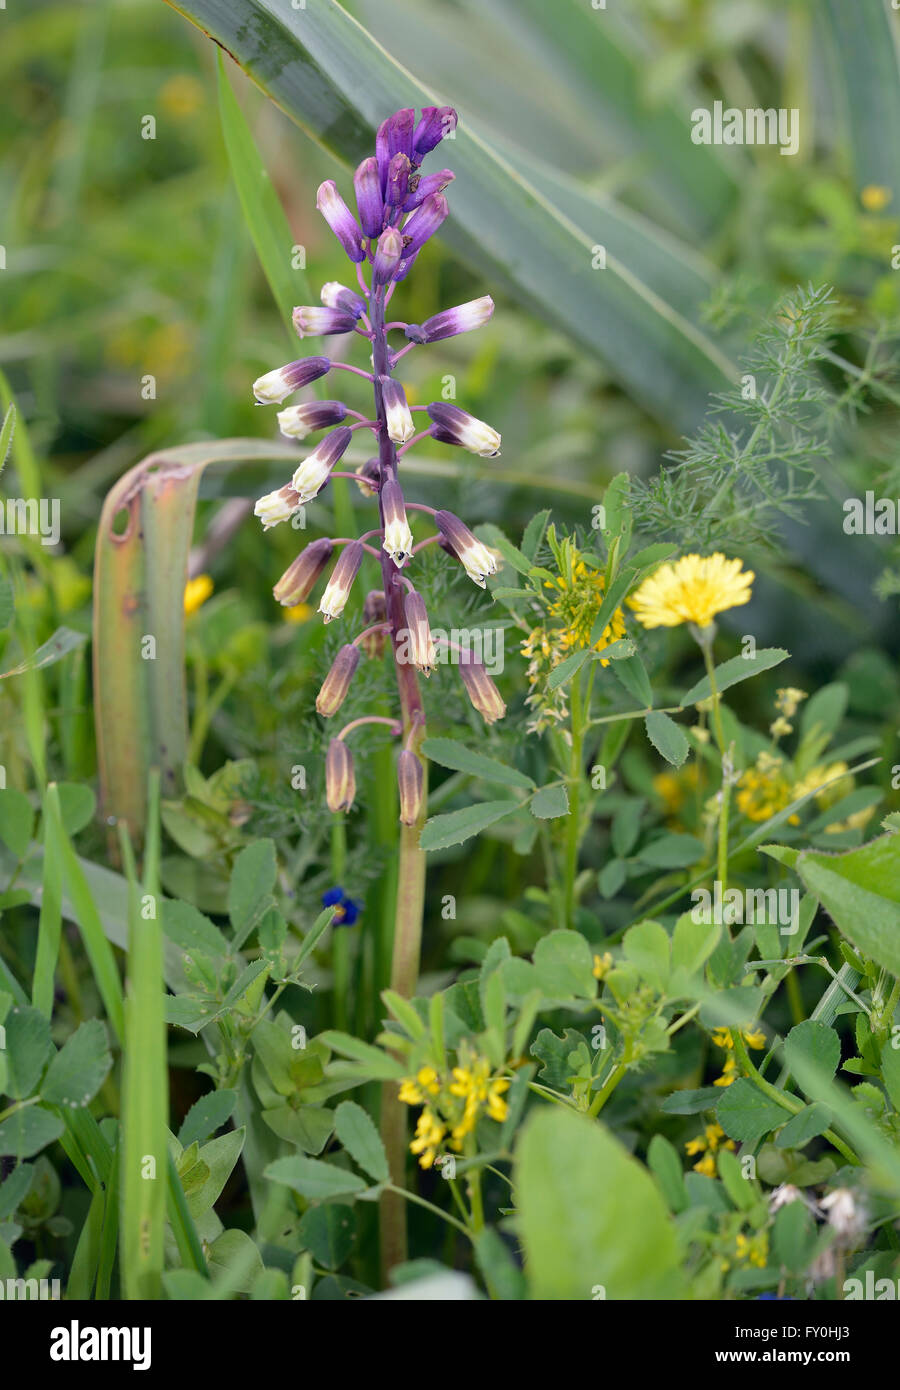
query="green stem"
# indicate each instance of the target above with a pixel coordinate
(725, 795)
(573, 824)
(786, 1102)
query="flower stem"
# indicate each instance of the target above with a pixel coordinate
(573, 823)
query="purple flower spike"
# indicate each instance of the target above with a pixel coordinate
(340, 219)
(387, 255)
(424, 222)
(436, 124)
(422, 186)
(310, 320)
(400, 132)
(367, 186)
(398, 180)
(447, 324)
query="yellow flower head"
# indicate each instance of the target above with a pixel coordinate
(692, 590)
(755, 1249)
(576, 603)
(196, 592)
(875, 197)
(602, 966)
(787, 700)
(429, 1133)
(763, 789)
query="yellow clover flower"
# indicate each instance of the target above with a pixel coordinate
(429, 1133)
(692, 590)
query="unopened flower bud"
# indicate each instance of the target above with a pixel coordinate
(314, 471)
(337, 683)
(298, 580)
(374, 611)
(455, 426)
(337, 590)
(340, 777)
(340, 219)
(274, 387)
(277, 506)
(369, 476)
(463, 319)
(481, 690)
(334, 295)
(311, 320)
(420, 646)
(475, 558)
(397, 180)
(411, 785)
(404, 267)
(435, 124)
(369, 202)
(421, 186)
(424, 222)
(398, 540)
(387, 255)
(400, 425)
(300, 420)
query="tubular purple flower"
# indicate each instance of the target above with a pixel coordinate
(475, 558)
(462, 319)
(340, 219)
(337, 296)
(398, 540)
(421, 186)
(369, 202)
(340, 777)
(298, 580)
(397, 181)
(481, 690)
(313, 473)
(374, 611)
(400, 128)
(411, 786)
(435, 124)
(387, 255)
(337, 683)
(277, 506)
(424, 222)
(274, 387)
(310, 320)
(419, 643)
(300, 420)
(404, 268)
(400, 425)
(454, 426)
(337, 590)
(369, 476)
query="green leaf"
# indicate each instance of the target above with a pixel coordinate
(739, 668)
(632, 673)
(381, 1067)
(564, 966)
(440, 832)
(312, 1178)
(329, 1232)
(793, 1237)
(63, 641)
(322, 67)
(205, 1116)
(449, 753)
(234, 1261)
(27, 1131)
(861, 891)
(736, 1185)
(589, 1214)
(548, 803)
(7, 431)
(79, 1069)
(865, 72)
(814, 1044)
(746, 1114)
(672, 851)
(28, 1047)
(361, 1139)
(220, 1156)
(16, 821)
(665, 1164)
(647, 946)
(192, 932)
(309, 1127)
(890, 1069)
(807, 1124)
(667, 737)
(77, 805)
(563, 673)
(263, 214)
(250, 888)
(691, 1102)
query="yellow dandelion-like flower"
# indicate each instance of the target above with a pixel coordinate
(196, 592)
(692, 590)
(875, 197)
(297, 613)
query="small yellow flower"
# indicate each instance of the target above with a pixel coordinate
(576, 603)
(754, 1249)
(787, 700)
(428, 1079)
(692, 590)
(429, 1133)
(602, 965)
(196, 592)
(875, 197)
(706, 1166)
(297, 613)
(755, 1039)
(729, 1072)
(764, 788)
(409, 1092)
(708, 1143)
(780, 728)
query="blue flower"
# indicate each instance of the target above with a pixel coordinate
(347, 910)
